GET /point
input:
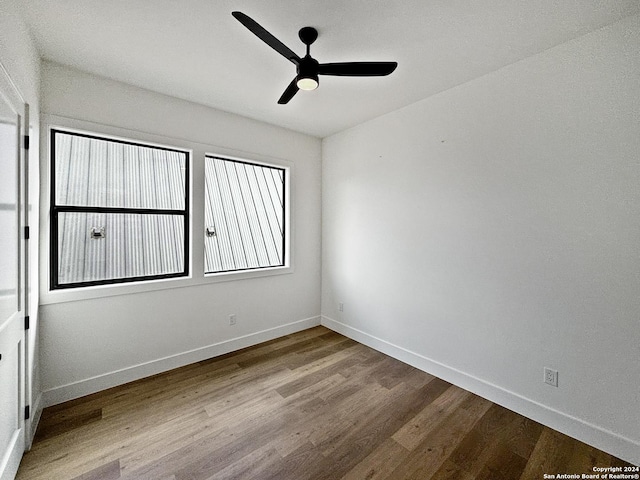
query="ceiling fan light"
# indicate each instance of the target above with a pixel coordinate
(307, 83)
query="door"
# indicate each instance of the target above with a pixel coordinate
(12, 280)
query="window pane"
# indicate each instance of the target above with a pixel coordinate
(92, 172)
(244, 213)
(131, 245)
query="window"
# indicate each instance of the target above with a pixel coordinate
(119, 211)
(244, 215)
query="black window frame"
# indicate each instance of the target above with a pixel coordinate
(285, 219)
(55, 210)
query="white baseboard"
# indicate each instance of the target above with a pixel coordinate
(98, 383)
(601, 438)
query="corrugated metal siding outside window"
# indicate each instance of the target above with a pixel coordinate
(135, 194)
(244, 214)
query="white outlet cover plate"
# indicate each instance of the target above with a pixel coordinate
(551, 377)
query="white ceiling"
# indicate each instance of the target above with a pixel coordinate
(195, 49)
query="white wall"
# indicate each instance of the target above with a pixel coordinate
(91, 344)
(19, 57)
(493, 229)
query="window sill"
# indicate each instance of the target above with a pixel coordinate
(117, 289)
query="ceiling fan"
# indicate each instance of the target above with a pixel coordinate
(307, 67)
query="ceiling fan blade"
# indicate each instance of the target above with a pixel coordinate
(289, 92)
(266, 37)
(357, 69)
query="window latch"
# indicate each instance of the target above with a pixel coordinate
(211, 231)
(97, 232)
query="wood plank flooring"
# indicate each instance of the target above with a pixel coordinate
(314, 405)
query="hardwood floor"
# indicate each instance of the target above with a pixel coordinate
(314, 405)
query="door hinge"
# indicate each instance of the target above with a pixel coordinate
(26, 142)
(26, 233)
(27, 412)
(26, 322)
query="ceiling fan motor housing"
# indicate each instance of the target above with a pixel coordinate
(308, 68)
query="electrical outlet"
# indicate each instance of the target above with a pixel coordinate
(341, 307)
(232, 319)
(551, 377)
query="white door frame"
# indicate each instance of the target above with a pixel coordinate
(13, 337)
